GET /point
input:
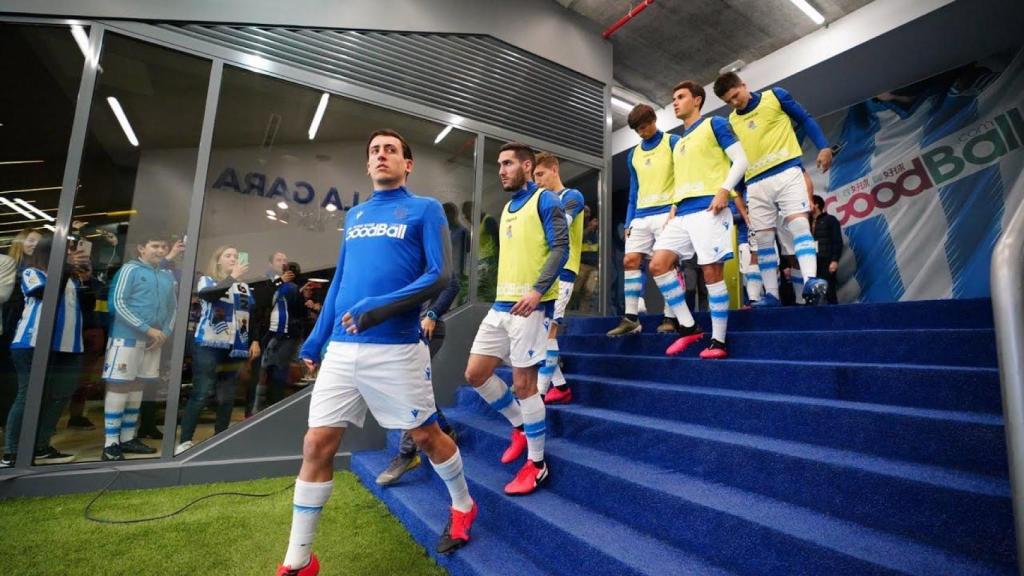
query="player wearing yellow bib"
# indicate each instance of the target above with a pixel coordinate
(708, 164)
(534, 248)
(547, 174)
(763, 122)
(651, 191)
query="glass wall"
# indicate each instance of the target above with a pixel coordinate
(287, 163)
(108, 370)
(42, 67)
(585, 298)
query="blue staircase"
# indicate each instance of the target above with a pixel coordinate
(859, 439)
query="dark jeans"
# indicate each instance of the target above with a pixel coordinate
(277, 364)
(212, 370)
(833, 280)
(61, 381)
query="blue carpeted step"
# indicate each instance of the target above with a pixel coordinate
(963, 440)
(422, 507)
(946, 347)
(904, 315)
(967, 512)
(737, 529)
(943, 388)
(562, 536)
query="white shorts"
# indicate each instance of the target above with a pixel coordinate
(393, 380)
(644, 232)
(782, 194)
(128, 360)
(707, 235)
(518, 341)
(564, 293)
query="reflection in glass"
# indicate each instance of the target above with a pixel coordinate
(42, 66)
(124, 245)
(287, 164)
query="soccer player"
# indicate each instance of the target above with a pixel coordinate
(142, 302)
(651, 191)
(763, 122)
(395, 256)
(708, 164)
(546, 174)
(534, 249)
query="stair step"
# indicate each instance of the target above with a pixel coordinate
(944, 388)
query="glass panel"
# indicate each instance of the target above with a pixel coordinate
(287, 164)
(109, 366)
(571, 175)
(43, 68)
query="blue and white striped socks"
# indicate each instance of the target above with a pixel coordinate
(113, 415)
(675, 298)
(718, 299)
(803, 245)
(754, 285)
(534, 426)
(633, 286)
(130, 421)
(450, 472)
(308, 503)
(550, 366)
(768, 261)
(496, 393)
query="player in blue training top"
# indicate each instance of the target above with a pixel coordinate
(548, 175)
(395, 256)
(534, 249)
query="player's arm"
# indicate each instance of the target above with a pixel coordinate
(371, 311)
(634, 187)
(325, 321)
(727, 140)
(741, 207)
(446, 297)
(810, 126)
(572, 205)
(123, 310)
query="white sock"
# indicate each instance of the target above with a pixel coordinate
(633, 288)
(308, 502)
(558, 379)
(113, 414)
(798, 284)
(451, 472)
(496, 393)
(754, 285)
(718, 299)
(131, 415)
(675, 297)
(803, 245)
(768, 262)
(547, 370)
(534, 426)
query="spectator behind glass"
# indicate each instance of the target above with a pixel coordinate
(285, 332)
(487, 258)
(460, 247)
(583, 291)
(23, 245)
(829, 235)
(222, 341)
(66, 357)
(259, 319)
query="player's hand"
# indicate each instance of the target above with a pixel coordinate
(288, 276)
(427, 325)
(719, 202)
(349, 323)
(832, 267)
(156, 338)
(254, 350)
(628, 231)
(310, 365)
(527, 304)
(825, 159)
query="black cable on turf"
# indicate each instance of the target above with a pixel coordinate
(91, 518)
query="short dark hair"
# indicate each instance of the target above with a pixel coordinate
(523, 152)
(726, 82)
(819, 202)
(547, 159)
(152, 236)
(406, 150)
(641, 114)
(695, 90)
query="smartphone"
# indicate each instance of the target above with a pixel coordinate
(243, 258)
(85, 246)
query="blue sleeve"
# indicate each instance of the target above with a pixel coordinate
(556, 232)
(634, 186)
(437, 247)
(796, 112)
(447, 297)
(723, 132)
(122, 310)
(324, 326)
(572, 203)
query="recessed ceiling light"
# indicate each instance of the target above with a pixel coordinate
(282, 205)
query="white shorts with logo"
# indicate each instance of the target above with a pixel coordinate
(564, 294)
(782, 194)
(707, 235)
(644, 232)
(519, 341)
(392, 380)
(128, 360)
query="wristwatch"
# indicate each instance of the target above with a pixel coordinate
(432, 315)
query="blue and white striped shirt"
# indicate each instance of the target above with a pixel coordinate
(67, 334)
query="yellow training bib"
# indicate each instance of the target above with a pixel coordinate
(766, 134)
(524, 249)
(654, 174)
(700, 163)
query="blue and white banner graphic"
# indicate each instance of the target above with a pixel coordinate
(924, 179)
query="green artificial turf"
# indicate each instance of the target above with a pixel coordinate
(226, 535)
